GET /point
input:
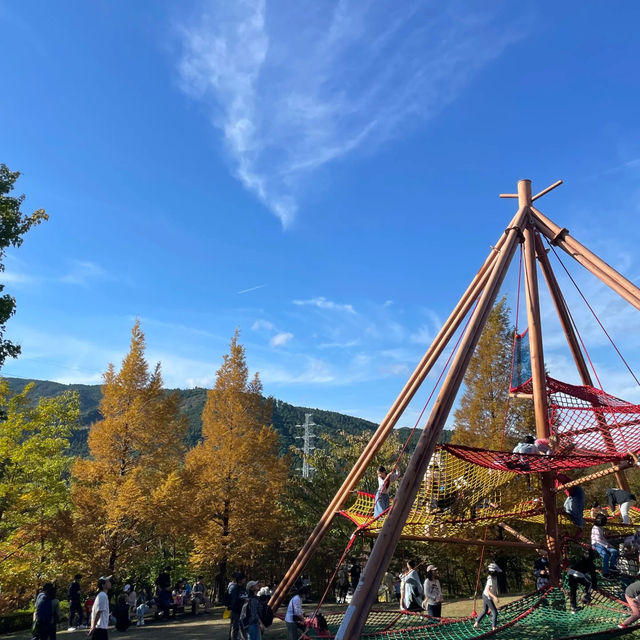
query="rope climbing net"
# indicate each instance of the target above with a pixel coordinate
(540, 615)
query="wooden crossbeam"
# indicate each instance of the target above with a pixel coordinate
(594, 476)
(516, 534)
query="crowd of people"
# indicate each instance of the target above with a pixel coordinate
(93, 610)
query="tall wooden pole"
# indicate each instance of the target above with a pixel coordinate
(386, 426)
(574, 346)
(539, 381)
(587, 259)
(367, 590)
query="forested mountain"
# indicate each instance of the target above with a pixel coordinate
(285, 416)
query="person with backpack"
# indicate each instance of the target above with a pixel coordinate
(250, 616)
(75, 604)
(237, 598)
(44, 626)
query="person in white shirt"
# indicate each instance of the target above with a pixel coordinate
(600, 544)
(490, 596)
(294, 616)
(100, 610)
(432, 593)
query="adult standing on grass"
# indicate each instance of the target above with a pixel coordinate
(44, 627)
(432, 593)
(250, 616)
(75, 603)
(164, 598)
(100, 610)
(294, 616)
(237, 598)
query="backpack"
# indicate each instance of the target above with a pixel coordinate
(266, 615)
(244, 615)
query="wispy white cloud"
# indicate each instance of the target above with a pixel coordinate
(262, 325)
(280, 339)
(83, 272)
(16, 277)
(294, 86)
(260, 286)
(322, 303)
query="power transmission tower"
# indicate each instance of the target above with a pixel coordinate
(307, 444)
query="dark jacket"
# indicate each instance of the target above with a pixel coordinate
(237, 597)
(618, 496)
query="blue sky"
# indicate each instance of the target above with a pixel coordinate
(321, 175)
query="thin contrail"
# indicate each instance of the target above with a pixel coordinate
(251, 289)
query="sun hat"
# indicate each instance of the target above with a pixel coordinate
(494, 567)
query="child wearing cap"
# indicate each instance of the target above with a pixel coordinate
(432, 593)
(490, 596)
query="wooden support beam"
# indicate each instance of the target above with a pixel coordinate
(570, 334)
(594, 476)
(560, 237)
(551, 187)
(387, 425)
(367, 590)
(538, 378)
(518, 535)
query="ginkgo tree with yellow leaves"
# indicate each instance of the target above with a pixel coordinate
(235, 475)
(35, 509)
(136, 452)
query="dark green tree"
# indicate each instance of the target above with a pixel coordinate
(13, 225)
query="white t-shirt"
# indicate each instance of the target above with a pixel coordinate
(492, 584)
(101, 604)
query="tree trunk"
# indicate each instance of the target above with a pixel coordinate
(221, 578)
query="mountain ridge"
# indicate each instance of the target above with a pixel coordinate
(285, 415)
